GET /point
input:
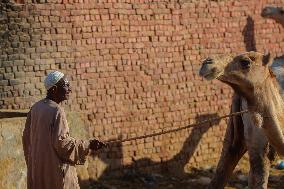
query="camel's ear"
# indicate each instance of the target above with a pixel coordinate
(267, 60)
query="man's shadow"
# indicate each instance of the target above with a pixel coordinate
(112, 157)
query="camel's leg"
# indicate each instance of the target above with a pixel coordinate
(228, 161)
(233, 149)
(259, 170)
(258, 150)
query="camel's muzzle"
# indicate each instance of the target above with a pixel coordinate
(208, 69)
(269, 11)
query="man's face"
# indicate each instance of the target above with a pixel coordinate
(63, 89)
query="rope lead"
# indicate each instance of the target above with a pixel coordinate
(178, 129)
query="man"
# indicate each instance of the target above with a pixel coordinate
(50, 153)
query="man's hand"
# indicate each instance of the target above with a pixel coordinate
(96, 144)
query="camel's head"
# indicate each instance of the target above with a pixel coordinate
(243, 72)
(275, 13)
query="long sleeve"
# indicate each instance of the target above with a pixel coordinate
(26, 137)
(68, 149)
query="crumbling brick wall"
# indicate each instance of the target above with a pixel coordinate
(133, 66)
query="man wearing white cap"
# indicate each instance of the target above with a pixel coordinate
(50, 153)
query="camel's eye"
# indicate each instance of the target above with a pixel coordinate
(245, 64)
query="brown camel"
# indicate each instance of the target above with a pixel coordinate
(275, 13)
(253, 81)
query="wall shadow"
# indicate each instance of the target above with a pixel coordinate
(249, 36)
(142, 169)
(12, 114)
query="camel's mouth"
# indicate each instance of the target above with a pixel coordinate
(211, 75)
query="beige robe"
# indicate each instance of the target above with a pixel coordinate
(50, 153)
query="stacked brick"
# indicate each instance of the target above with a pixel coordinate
(133, 66)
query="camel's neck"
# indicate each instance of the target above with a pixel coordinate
(267, 99)
(267, 112)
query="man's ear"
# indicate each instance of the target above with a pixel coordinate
(267, 60)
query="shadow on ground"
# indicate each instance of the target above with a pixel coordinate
(146, 172)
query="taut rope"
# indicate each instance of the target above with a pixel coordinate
(178, 129)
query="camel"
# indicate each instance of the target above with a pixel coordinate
(235, 141)
(253, 81)
(275, 13)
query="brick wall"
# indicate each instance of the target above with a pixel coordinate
(133, 66)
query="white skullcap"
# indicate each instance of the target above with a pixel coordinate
(52, 78)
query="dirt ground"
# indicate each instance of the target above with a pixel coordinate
(195, 179)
